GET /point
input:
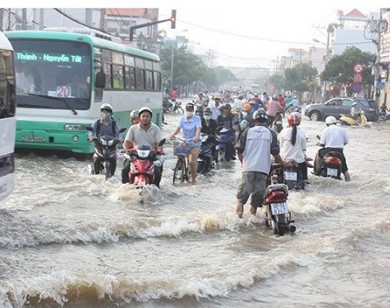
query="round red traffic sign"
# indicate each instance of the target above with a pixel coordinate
(358, 68)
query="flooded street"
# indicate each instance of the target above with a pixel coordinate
(72, 239)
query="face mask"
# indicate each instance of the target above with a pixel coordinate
(105, 114)
(189, 113)
(135, 121)
(207, 117)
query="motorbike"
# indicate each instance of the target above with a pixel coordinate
(384, 116)
(347, 120)
(205, 158)
(143, 160)
(293, 178)
(224, 145)
(330, 165)
(278, 217)
(173, 106)
(167, 105)
(278, 122)
(106, 153)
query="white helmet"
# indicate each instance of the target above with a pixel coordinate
(106, 106)
(330, 120)
(143, 109)
(134, 114)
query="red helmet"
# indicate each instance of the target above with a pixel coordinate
(294, 119)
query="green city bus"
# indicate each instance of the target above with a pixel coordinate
(62, 79)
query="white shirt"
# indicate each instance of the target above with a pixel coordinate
(237, 104)
(257, 153)
(294, 152)
(334, 137)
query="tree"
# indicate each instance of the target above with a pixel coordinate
(189, 68)
(300, 77)
(339, 69)
(278, 81)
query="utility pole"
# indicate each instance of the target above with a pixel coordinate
(379, 27)
(1, 19)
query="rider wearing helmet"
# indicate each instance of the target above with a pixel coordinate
(333, 138)
(292, 141)
(134, 116)
(209, 125)
(191, 126)
(144, 133)
(254, 150)
(104, 126)
(354, 111)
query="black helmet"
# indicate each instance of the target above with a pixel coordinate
(190, 105)
(207, 110)
(260, 116)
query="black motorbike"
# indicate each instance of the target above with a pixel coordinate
(278, 122)
(330, 165)
(205, 158)
(293, 177)
(105, 154)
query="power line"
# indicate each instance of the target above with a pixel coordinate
(79, 22)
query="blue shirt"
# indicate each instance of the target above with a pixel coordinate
(189, 127)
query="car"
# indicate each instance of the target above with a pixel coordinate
(342, 105)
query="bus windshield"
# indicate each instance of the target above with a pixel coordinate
(48, 72)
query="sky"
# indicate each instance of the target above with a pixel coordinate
(245, 33)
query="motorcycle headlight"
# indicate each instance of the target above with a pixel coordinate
(103, 142)
(111, 142)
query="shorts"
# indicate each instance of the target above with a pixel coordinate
(253, 184)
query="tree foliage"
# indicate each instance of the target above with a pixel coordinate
(189, 68)
(301, 77)
(339, 69)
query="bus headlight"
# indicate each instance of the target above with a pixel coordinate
(74, 127)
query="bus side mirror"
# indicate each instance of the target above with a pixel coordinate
(100, 80)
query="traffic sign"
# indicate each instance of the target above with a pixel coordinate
(357, 87)
(358, 68)
(380, 85)
(357, 77)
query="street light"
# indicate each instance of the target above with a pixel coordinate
(172, 55)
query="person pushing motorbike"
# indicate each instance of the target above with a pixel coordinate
(254, 150)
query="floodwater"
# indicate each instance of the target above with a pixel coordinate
(71, 239)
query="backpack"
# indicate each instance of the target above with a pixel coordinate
(99, 124)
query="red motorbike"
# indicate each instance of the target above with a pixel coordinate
(278, 217)
(143, 160)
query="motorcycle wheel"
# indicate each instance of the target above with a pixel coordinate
(180, 110)
(280, 226)
(107, 168)
(179, 173)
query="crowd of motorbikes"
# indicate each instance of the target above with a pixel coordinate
(217, 149)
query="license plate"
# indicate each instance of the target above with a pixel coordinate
(279, 208)
(290, 176)
(278, 122)
(33, 139)
(332, 171)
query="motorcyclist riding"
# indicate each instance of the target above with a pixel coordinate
(333, 138)
(144, 133)
(292, 142)
(104, 126)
